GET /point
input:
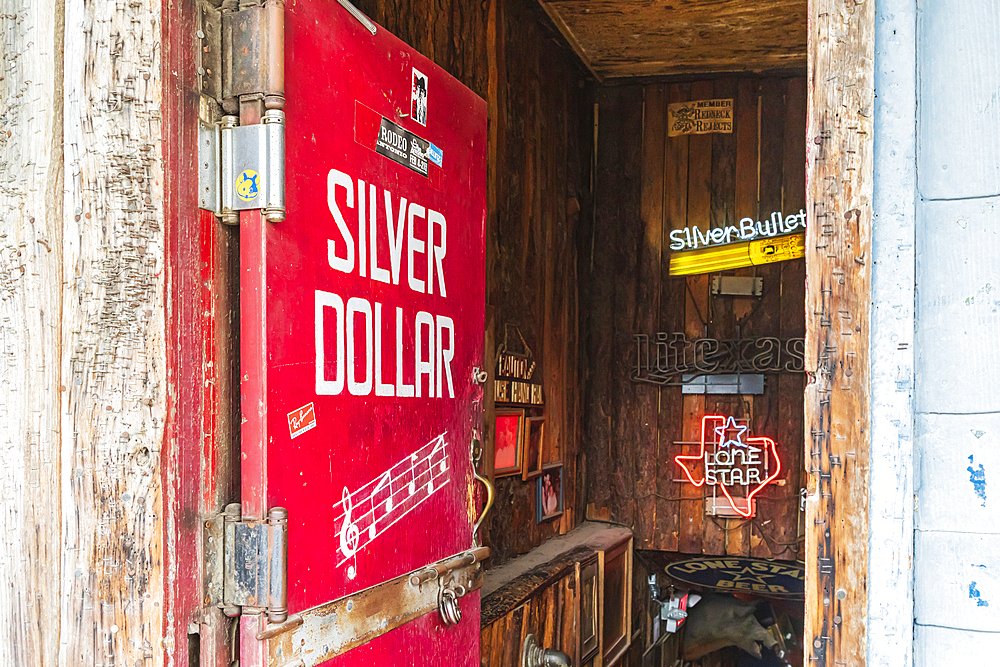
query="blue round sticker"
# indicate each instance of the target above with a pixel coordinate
(246, 185)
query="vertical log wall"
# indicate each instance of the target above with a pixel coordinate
(649, 184)
(538, 183)
(31, 230)
(83, 381)
(838, 258)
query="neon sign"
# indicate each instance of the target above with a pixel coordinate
(732, 462)
(692, 237)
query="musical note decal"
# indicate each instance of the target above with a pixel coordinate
(349, 533)
(370, 510)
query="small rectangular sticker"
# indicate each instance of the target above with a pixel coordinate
(301, 420)
(435, 155)
(402, 146)
(418, 96)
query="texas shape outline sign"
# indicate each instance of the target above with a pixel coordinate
(729, 459)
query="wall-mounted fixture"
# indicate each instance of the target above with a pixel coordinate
(738, 255)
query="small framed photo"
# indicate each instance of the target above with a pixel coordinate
(508, 458)
(534, 448)
(549, 493)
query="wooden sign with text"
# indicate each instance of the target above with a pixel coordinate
(513, 382)
(700, 117)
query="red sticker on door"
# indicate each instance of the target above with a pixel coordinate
(301, 420)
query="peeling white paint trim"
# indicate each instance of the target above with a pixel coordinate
(890, 546)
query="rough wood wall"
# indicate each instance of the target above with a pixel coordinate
(31, 228)
(538, 182)
(838, 301)
(550, 614)
(647, 185)
(82, 300)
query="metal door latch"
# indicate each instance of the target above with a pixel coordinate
(450, 588)
(246, 563)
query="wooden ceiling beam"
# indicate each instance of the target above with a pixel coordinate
(622, 38)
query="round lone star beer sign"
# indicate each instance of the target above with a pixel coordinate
(768, 578)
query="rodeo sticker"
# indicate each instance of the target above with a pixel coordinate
(700, 117)
(403, 146)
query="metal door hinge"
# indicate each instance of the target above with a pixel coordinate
(241, 52)
(243, 167)
(246, 563)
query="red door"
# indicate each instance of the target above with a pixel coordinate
(362, 321)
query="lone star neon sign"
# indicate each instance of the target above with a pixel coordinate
(730, 460)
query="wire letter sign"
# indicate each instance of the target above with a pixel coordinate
(668, 356)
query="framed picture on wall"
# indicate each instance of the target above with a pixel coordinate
(534, 447)
(549, 493)
(509, 438)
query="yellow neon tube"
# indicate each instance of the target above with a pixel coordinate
(738, 255)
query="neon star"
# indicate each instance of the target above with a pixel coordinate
(730, 425)
(724, 475)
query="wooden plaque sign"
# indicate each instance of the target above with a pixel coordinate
(700, 117)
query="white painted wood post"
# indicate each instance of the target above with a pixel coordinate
(890, 545)
(957, 366)
(82, 317)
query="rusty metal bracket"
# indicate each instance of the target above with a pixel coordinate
(240, 52)
(246, 563)
(253, 46)
(438, 570)
(318, 634)
(208, 57)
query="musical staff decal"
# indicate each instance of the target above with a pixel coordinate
(370, 510)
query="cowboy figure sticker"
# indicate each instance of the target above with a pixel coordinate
(738, 465)
(418, 96)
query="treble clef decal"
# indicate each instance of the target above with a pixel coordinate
(348, 533)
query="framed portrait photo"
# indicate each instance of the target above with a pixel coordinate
(508, 457)
(534, 447)
(549, 493)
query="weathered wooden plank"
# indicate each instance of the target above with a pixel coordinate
(641, 38)
(697, 317)
(792, 324)
(773, 508)
(31, 261)
(649, 289)
(114, 357)
(611, 471)
(627, 237)
(747, 160)
(839, 199)
(747, 129)
(672, 318)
